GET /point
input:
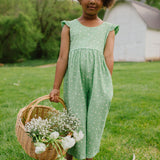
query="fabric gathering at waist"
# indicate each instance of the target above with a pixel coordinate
(87, 49)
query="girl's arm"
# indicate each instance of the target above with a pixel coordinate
(62, 63)
(108, 51)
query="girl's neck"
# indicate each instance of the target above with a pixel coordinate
(89, 17)
(90, 20)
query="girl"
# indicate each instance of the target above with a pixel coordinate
(86, 63)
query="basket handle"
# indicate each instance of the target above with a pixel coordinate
(30, 105)
(37, 101)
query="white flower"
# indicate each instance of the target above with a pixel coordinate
(68, 142)
(40, 147)
(54, 135)
(64, 121)
(78, 136)
(40, 125)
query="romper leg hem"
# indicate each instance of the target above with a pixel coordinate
(92, 155)
(79, 158)
(88, 156)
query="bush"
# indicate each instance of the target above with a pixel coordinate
(18, 37)
(31, 29)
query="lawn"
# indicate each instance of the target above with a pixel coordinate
(132, 125)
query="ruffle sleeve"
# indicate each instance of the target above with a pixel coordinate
(114, 27)
(65, 22)
(111, 27)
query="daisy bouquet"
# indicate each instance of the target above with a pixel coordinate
(54, 130)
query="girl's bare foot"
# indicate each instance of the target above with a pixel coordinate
(69, 157)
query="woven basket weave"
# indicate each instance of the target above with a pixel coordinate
(24, 116)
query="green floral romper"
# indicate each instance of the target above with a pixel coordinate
(87, 86)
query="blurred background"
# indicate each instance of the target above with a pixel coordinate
(31, 29)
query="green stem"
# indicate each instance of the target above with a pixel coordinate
(36, 138)
(55, 148)
(59, 148)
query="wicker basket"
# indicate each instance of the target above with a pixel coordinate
(24, 116)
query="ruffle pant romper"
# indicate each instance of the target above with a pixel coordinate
(87, 86)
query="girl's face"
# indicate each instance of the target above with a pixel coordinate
(91, 7)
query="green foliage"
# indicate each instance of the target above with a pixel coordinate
(18, 37)
(153, 3)
(15, 7)
(31, 29)
(49, 14)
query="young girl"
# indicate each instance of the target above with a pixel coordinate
(86, 63)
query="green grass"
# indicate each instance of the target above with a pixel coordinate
(31, 63)
(132, 125)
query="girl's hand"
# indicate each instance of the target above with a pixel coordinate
(54, 95)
